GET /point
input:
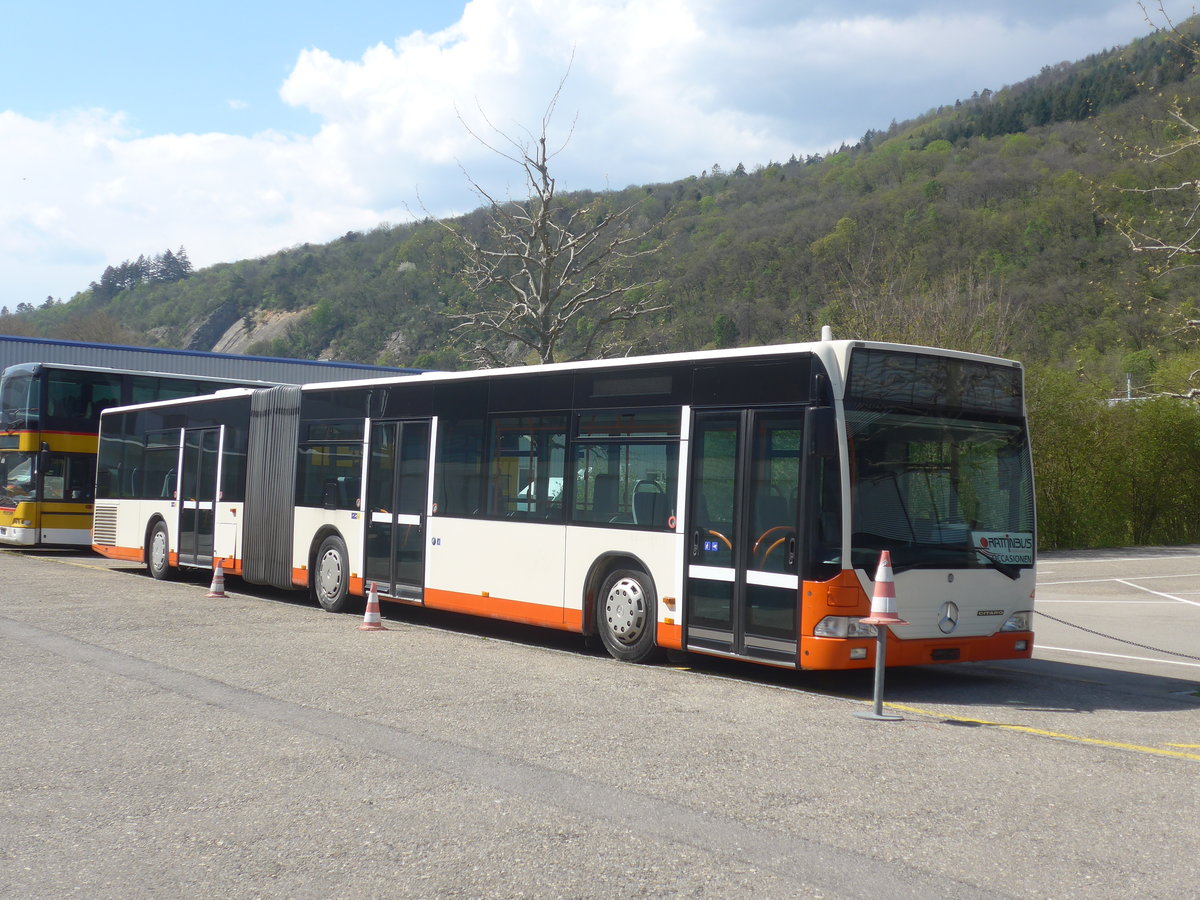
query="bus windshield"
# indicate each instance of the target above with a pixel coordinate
(18, 401)
(18, 476)
(939, 492)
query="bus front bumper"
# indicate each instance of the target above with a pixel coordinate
(859, 653)
(18, 535)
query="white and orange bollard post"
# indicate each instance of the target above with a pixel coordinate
(371, 618)
(883, 614)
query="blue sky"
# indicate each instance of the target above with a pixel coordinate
(238, 129)
(215, 66)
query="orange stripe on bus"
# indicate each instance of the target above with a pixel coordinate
(669, 636)
(129, 554)
(510, 610)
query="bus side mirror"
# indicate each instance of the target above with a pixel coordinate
(822, 430)
(44, 458)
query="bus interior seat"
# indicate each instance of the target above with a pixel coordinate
(604, 498)
(348, 491)
(649, 504)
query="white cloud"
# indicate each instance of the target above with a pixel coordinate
(658, 89)
(91, 194)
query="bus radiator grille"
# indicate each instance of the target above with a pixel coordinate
(104, 526)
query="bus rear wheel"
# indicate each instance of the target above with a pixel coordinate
(158, 552)
(330, 586)
(626, 615)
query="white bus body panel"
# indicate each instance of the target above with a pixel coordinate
(227, 537)
(131, 518)
(521, 561)
(984, 599)
(310, 519)
(658, 551)
(542, 564)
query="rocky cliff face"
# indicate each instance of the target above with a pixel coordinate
(208, 332)
(260, 325)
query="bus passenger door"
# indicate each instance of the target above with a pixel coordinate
(198, 496)
(743, 535)
(397, 488)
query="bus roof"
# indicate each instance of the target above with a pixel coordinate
(830, 351)
(833, 353)
(35, 367)
(18, 349)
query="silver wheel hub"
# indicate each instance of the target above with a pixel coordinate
(158, 549)
(330, 574)
(625, 610)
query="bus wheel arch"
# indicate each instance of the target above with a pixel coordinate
(329, 571)
(622, 603)
(158, 549)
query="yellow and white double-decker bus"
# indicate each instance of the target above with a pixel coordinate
(49, 416)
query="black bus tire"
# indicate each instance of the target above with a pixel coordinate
(627, 615)
(158, 552)
(330, 585)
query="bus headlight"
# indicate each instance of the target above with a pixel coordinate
(843, 627)
(1019, 621)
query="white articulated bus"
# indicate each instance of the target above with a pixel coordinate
(732, 503)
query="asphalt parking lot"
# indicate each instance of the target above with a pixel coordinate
(161, 743)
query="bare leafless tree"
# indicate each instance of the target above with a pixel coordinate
(550, 278)
(961, 311)
(1166, 226)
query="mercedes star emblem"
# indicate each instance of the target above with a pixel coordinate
(948, 617)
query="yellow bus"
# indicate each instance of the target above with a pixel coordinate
(49, 417)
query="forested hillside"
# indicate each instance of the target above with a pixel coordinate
(985, 225)
(975, 226)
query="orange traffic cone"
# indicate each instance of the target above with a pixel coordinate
(217, 588)
(371, 620)
(883, 600)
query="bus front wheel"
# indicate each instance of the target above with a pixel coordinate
(158, 552)
(331, 575)
(626, 615)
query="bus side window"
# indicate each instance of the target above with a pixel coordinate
(458, 473)
(79, 482)
(54, 479)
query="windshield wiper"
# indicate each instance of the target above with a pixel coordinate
(1003, 568)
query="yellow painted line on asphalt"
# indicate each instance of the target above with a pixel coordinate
(1186, 746)
(78, 565)
(1078, 739)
